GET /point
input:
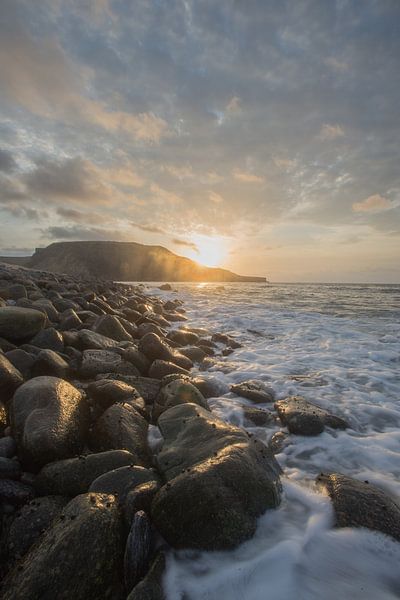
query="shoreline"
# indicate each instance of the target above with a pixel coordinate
(86, 367)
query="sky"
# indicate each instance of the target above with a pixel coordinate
(258, 135)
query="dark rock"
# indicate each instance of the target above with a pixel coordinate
(15, 493)
(138, 359)
(49, 339)
(194, 353)
(182, 337)
(138, 550)
(90, 340)
(95, 362)
(9, 469)
(278, 441)
(79, 557)
(30, 523)
(120, 482)
(6, 346)
(62, 304)
(361, 504)
(74, 476)
(152, 346)
(3, 419)
(105, 393)
(145, 328)
(254, 390)
(8, 447)
(151, 587)
(177, 392)
(161, 368)
(22, 361)
(217, 476)
(50, 363)
(257, 416)
(110, 326)
(20, 323)
(222, 338)
(140, 498)
(49, 420)
(147, 387)
(304, 418)
(166, 287)
(70, 321)
(121, 427)
(47, 307)
(10, 378)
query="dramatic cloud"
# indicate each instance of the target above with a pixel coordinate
(186, 244)
(372, 204)
(261, 123)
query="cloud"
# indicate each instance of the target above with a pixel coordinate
(234, 105)
(372, 204)
(331, 132)
(148, 228)
(247, 177)
(336, 64)
(162, 195)
(190, 245)
(84, 233)
(7, 162)
(78, 216)
(215, 198)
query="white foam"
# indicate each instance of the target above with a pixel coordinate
(340, 348)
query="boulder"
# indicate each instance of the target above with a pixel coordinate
(361, 504)
(254, 390)
(120, 482)
(304, 418)
(152, 346)
(8, 447)
(220, 481)
(49, 420)
(20, 323)
(50, 363)
(162, 368)
(90, 340)
(182, 337)
(151, 586)
(147, 387)
(30, 523)
(110, 326)
(9, 468)
(15, 493)
(138, 550)
(177, 392)
(49, 339)
(105, 393)
(22, 361)
(79, 557)
(257, 416)
(74, 476)
(137, 358)
(95, 362)
(10, 379)
(121, 427)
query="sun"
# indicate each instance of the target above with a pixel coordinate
(211, 251)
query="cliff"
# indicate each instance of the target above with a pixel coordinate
(126, 261)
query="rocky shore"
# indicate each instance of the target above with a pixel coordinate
(109, 453)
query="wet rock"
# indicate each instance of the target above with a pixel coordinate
(30, 523)
(49, 339)
(177, 392)
(140, 498)
(110, 326)
(20, 323)
(257, 416)
(152, 346)
(23, 361)
(182, 337)
(50, 363)
(10, 378)
(74, 476)
(304, 418)
(162, 368)
(120, 482)
(222, 338)
(151, 587)
(138, 550)
(9, 469)
(217, 476)
(121, 427)
(47, 307)
(8, 447)
(70, 321)
(254, 390)
(194, 353)
(79, 557)
(3, 419)
(105, 393)
(6, 346)
(278, 441)
(95, 362)
(13, 292)
(166, 287)
(361, 504)
(145, 328)
(137, 358)
(147, 387)
(15, 493)
(90, 340)
(49, 420)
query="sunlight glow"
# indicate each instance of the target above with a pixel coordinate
(212, 251)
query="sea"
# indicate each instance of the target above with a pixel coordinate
(339, 347)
